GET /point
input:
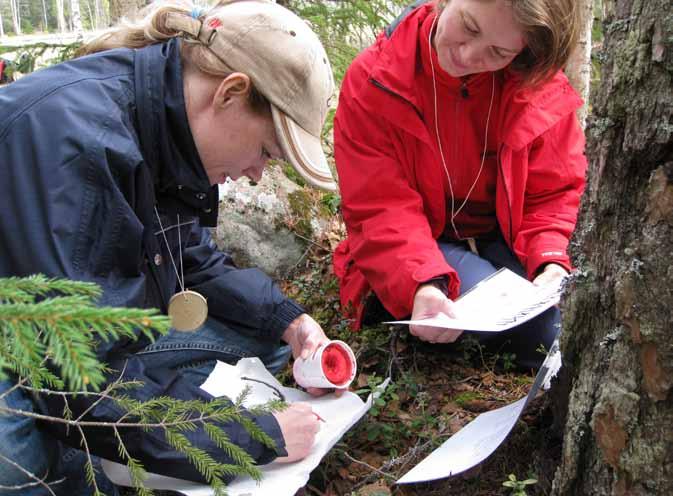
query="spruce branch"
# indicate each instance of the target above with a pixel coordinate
(88, 467)
(136, 471)
(65, 328)
(49, 330)
(24, 289)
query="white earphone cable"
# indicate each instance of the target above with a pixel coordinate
(454, 212)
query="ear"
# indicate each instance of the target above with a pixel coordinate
(236, 85)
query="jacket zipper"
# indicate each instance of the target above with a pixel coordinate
(397, 95)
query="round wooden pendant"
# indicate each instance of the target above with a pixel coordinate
(188, 311)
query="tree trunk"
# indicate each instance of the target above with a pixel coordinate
(75, 17)
(579, 65)
(60, 16)
(16, 16)
(618, 337)
(97, 14)
(2, 28)
(44, 16)
(92, 21)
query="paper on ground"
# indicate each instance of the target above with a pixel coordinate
(278, 479)
(499, 302)
(477, 440)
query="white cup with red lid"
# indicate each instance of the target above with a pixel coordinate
(331, 365)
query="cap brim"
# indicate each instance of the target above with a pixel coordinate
(303, 151)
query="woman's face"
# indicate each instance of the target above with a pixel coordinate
(475, 36)
(233, 140)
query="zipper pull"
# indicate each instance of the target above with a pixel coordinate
(464, 92)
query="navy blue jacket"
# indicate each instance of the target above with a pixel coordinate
(87, 149)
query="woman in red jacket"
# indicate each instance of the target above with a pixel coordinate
(459, 152)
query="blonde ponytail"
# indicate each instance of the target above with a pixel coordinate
(148, 29)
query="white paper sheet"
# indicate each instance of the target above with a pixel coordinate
(480, 438)
(340, 414)
(499, 302)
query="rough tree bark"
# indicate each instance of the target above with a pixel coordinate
(618, 333)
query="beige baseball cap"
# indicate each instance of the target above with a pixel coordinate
(285, 61)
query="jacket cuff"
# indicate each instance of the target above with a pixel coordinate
(270, 426)
(285, 313)
(537, 261)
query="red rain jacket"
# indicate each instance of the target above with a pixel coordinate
(393, 188)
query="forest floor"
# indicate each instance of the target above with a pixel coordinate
(435, 391)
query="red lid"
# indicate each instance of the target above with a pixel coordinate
(336, 364)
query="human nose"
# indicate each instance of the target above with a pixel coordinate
(471, 53)
(255, 172)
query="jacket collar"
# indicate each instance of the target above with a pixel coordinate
(524, 114)
(166, 140)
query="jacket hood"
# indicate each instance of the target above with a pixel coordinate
(165, 137)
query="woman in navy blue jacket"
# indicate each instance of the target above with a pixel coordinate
(110, 166)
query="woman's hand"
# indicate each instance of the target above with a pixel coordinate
(552, 274)
(428, 302)
(299, 426)
(304, 335)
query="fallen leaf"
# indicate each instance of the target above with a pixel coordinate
(362, 380)
(450, 408)
(376, 489)
(487, 378)
(478, 406)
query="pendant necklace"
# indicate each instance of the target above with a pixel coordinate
(187, 309)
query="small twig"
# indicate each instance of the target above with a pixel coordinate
(281, 396)
(393, 352)
(38, 481)
(365, 464)
(466, 379)
(15, 386)
(90, 461)
(303, 255)
(59, 420)
(105, 394)
(309, 240)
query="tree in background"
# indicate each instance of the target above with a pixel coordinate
(122, 8)
(616, 387)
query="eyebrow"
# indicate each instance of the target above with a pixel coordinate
(467, 16)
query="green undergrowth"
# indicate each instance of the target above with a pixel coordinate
(434, 392)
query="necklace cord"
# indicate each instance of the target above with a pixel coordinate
(182, 266)
(454, 212)
(163, 232)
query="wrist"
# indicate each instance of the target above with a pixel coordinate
(292, 329)
(441, 283)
